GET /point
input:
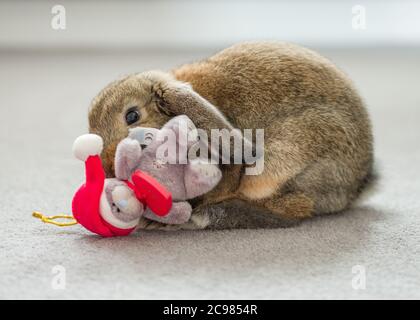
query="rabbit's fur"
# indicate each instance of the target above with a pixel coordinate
(318, 153)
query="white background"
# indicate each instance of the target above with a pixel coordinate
(207, 24)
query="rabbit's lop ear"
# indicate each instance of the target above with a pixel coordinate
(170, 94)
(175, 97)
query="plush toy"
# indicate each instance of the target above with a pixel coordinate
(145, 184)
(111, 207)
(183, 177)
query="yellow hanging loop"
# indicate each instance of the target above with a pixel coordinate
(50, 219)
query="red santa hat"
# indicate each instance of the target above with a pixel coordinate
(86, 202)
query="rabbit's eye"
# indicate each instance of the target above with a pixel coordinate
(132, 116)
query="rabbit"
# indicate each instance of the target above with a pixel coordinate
(318, 142)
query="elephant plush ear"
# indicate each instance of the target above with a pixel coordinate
(184, 129)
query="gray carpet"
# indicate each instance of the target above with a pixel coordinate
(44, 99)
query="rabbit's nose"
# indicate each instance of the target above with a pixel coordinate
(122, 203)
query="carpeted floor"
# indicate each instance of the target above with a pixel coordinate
(44, 99)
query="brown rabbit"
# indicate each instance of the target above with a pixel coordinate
(318, 146)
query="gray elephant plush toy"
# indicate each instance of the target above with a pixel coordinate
(163, 154)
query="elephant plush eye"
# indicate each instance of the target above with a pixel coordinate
(132, 116)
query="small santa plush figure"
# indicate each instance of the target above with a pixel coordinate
(111, 207)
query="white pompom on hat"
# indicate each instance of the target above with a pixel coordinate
(87, 145)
